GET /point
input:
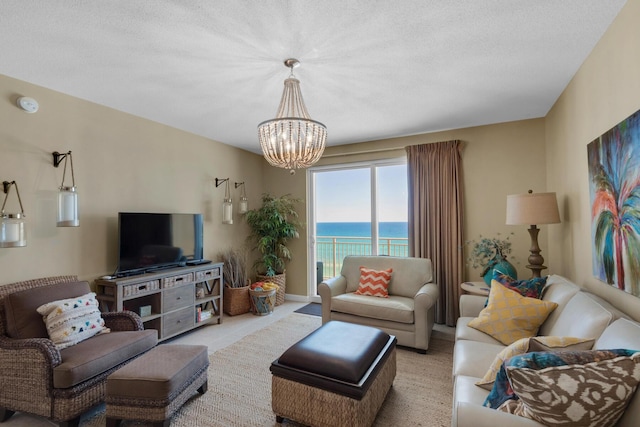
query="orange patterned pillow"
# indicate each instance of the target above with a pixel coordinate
(374, 283)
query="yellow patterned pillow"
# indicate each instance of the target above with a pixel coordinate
(525, 345)
(509, 316)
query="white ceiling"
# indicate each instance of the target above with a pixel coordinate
(371, 69)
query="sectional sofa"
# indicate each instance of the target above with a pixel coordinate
(578, 314)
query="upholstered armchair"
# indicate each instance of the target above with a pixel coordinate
(59, 384)
(408, 312)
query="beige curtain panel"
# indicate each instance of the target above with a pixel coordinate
(435, 218)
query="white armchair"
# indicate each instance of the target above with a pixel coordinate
(408, 313)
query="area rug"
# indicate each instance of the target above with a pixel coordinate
(313, 309)
(239, 392)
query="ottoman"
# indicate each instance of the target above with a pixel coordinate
(155, 385)
(338, 375)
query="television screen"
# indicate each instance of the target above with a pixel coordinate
(155, 240)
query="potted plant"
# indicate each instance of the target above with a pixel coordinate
(236, 282)
(272, 226)
(490, 253)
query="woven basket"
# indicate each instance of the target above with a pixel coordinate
(236, 300)
(262, 302)
(281, 281)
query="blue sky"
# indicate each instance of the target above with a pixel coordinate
(345, 195)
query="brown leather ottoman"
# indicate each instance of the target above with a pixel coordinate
(338, 375)
(154, 386)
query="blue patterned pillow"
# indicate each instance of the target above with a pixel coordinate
(531, 288)
(502, 391)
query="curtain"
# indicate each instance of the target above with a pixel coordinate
(435, 218)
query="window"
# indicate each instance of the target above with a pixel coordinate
(356, 209)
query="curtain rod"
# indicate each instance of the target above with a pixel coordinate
(354, 153)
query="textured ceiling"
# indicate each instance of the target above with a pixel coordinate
(371, 69)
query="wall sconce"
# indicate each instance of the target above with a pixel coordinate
(243, 206)
(68, 197)
(227, 206)
(12, 229)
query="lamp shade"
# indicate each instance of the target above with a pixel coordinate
(532, 209)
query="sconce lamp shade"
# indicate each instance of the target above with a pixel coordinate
(68, 196)
(532, 209)
(12, 226)
(243, 206)
(227, 211)
(68, 207)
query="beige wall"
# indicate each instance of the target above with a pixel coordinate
(499, 159)
(605, 91)
(121, 163)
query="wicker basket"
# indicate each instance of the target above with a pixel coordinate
(278, 279)
(236, 300)
(262, 302)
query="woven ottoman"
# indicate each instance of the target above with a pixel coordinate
(338, 375)
(155, 385)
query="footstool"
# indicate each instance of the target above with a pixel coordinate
(154, 386)
(338, 375)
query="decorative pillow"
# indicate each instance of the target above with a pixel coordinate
(70, 321)
(509, 316)
(525, 345)
(502, 389)
(595, 393)
(374, 283)
(531, 288)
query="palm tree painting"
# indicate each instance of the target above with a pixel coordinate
(614, 175)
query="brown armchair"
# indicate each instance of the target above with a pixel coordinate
(38, 378)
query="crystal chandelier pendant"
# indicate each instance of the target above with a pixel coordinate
(292, 140)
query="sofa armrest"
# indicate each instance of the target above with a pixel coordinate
(471, 305)
(328, 289)
(123, 321)
(427, 296)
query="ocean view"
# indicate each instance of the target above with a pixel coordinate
(361, 229)
(335, 240)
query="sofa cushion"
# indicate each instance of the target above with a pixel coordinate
(623, 333)
(395, 308)
(558, 290)
(590, 394)
(526, 345)
(594, 318)
(472, 358)
(531, 288)
(509, 316)
(467, 333)
(22, 318)
(374, 282)
(409, 274)
(70, 321)
(99, 354)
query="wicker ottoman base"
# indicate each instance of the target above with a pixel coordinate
(153, 387)
(344, 383)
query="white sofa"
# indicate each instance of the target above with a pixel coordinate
(408, 313)
(579, 314)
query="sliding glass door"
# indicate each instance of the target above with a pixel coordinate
(355, 209)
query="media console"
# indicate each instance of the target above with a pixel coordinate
(172, 301)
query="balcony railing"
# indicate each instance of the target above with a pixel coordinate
(331, 250)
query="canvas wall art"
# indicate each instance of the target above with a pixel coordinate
(614, 187)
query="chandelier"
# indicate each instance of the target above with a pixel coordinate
(292, 140)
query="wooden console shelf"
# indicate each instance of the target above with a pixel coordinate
(172, 301)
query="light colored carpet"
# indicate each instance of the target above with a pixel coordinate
(240, 383)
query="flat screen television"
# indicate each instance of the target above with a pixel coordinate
(149, 241)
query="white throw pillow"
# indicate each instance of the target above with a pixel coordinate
(70, 321)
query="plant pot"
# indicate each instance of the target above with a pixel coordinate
(278, 279)
(503, 266)
(236, 300)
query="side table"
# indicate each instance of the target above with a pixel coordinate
(475, 288)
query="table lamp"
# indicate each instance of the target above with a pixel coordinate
(533, 209)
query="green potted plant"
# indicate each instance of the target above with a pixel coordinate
(236, 282)
(272, 226)
(490, 253)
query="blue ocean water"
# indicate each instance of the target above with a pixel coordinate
(361, 229)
